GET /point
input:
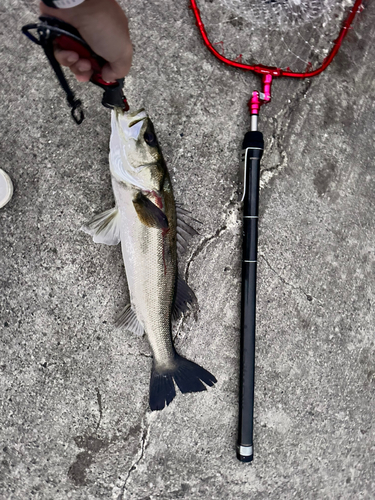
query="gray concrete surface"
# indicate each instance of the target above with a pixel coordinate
(74, 416)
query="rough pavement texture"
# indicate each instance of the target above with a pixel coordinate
(75, 422)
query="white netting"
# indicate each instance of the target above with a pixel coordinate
(285, 13)
(296, 34)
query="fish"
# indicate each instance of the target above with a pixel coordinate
(151, 229)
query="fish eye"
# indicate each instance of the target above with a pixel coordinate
(150, 138)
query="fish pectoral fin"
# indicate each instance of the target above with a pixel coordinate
(184, 298)
(185, 230)
(128, 319)
(104, 227)
(148, 213)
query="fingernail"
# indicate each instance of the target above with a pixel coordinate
(82, 78)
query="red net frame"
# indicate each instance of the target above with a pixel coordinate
(274, 71)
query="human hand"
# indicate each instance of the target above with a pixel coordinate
(104, 26)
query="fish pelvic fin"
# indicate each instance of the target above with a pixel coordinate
(188, 376)
(128, 319)
(148, 213)
(104, 227)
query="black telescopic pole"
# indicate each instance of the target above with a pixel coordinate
(252, 151)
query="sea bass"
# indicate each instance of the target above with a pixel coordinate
(150, 227)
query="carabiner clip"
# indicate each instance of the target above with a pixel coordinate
(77, 111)
(67, 37)
(46, 36)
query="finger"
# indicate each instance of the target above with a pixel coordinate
(82, 70)
(111, 72)
(84, 77)
(66, 57)
(118, 69)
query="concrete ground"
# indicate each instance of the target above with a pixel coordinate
(75, 422)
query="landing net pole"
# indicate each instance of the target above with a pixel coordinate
(252, 151)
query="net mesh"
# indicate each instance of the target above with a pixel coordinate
(289, 34)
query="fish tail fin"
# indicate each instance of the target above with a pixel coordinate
(188, 376)
(162, 390)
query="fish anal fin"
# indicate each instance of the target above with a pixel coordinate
(184, 298)
(148, 213)
(104, 227)
(128, 320)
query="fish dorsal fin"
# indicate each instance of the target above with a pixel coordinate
(104, 227)
(184, 298)
(128, 319)
(184, 230)
(148, 213)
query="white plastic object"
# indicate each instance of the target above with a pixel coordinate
(6, 188)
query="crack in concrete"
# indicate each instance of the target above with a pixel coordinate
(145, 355)
(202, 245)
(99, 398)
(145, 433)
(309, 297)
(199, 249)
(267, 174)
(180, 324)
(281, 122)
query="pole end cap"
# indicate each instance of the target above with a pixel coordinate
(245, 453)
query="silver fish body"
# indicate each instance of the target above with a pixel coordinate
(151, 269)
(145, 221)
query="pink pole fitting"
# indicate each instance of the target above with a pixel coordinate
(260, 98)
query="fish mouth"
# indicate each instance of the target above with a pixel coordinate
(130, 123)
(136, 117)
(137, 120)
(127, 122)
(131, 117)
